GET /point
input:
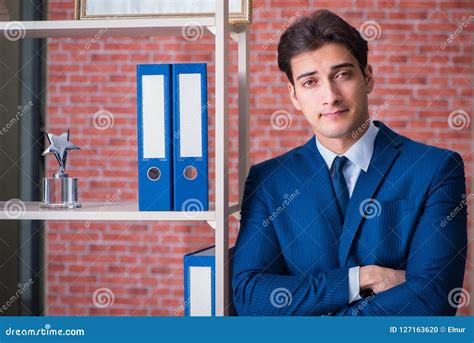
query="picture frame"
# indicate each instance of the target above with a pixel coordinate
(240, 11)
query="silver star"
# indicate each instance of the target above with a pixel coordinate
(59, 146)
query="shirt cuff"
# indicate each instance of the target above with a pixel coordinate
(354, 284)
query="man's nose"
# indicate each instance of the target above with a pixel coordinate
(331, 94)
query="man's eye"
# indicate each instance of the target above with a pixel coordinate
(309, 83)
(344, 74)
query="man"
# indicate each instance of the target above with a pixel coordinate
(359, 220)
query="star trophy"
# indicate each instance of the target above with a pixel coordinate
(60, 191)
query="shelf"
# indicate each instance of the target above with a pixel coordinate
(109, 27)
(103, 211)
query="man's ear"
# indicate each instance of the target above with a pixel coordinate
(294, 100)
(369, 78)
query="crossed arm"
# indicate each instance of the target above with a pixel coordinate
(435, 265)
(437, 256)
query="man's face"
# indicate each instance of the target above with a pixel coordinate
(331, 90)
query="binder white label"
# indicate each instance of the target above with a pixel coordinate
(200, 291)
(190, 117)
(153, 111)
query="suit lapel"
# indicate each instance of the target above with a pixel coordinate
(386, 150)
(313, 172)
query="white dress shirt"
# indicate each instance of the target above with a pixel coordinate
(359, 156)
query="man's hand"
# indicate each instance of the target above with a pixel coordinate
(380, 279)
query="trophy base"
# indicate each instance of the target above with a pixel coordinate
(60, 193)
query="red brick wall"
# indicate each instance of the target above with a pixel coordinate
(420, 79)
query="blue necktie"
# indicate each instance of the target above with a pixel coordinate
(339, 184)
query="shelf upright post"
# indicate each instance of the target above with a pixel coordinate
(222, 159)
(244, 119)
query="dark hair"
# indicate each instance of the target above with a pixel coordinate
(312, 32)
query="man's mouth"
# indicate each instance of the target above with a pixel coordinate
(334, 114)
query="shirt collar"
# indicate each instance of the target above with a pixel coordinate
(360, 153)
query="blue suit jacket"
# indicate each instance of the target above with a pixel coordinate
(408, 211)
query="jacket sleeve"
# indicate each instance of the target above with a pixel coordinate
(437, 254)
(261, 284)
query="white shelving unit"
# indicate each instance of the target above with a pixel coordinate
(114, 27)
(218, 216)
(105, 211)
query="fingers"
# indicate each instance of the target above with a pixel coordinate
(380, 279)
(392, 278)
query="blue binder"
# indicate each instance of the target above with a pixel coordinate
(154, 125)
(199, 283)
(190, 162)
